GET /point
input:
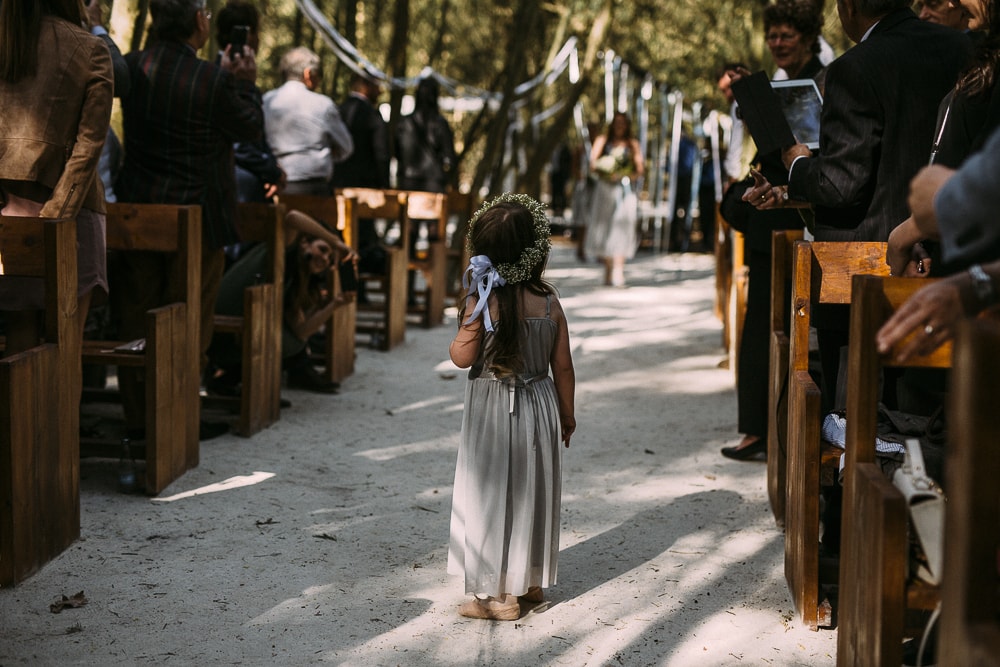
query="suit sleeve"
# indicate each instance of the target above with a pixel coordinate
(81, 167)
(238, 112)
(341, 143)
(966, 208)
(850, 144)
(380, 148)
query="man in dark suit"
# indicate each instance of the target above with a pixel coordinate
(368, 165)
(181, 118)
(878, 119)
(876, 131)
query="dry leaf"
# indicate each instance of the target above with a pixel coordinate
(77, 600)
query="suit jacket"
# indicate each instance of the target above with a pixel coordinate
(181, 118)
(53, 124)
(877, 126)
(966, 208)
(425, 153)
(368, 165)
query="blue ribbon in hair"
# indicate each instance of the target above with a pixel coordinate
(481, 276)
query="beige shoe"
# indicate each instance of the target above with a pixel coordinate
(492, 609)
(534, 595)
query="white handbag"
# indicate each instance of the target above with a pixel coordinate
(925, 500)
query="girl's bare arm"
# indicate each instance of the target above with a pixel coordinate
(464, 349)
(297, 221)
(564, 375)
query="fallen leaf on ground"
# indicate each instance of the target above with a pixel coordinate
(71, 602)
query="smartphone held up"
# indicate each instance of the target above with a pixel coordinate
(237, 40)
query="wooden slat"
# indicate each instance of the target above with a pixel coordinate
(777, 396)
(172, 355)
(970, 605)
(391, 307)
(874, 548)
(821, 273)
(39, 406)
(339, 212)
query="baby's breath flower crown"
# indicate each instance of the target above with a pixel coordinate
(520, 271)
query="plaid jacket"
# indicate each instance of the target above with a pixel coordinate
(180, 118)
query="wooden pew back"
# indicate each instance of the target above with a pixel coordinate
(873, 590)
(821, 274)
(782, 247)
(433, 263)
(385, 320)
(172, 355)
(259, 329)
(39, 405)
(337, 212)
(970, 607)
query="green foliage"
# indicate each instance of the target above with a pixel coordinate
(495, 44)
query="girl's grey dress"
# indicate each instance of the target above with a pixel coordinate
(505, 510)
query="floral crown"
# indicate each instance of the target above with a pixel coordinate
(521, 270)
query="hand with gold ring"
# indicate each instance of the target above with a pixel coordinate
(925, 321)
(760, 195)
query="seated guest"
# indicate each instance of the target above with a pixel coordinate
(959, 208)
(310, 252)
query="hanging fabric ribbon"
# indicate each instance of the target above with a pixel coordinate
(483, 276)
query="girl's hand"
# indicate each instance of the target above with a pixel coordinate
(568, 428)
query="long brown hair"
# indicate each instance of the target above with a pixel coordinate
(503, 233)
(981, 75)
(20, 27)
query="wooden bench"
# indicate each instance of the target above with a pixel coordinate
(336, 212)
(461, 207)
(724, 281)
(39, 405)
(171, 354)
(428, 306)
(259, 329)
(874, 591)
(739, 283)
(384, 318)
(821, 274)
(970, 608)
(782, 246)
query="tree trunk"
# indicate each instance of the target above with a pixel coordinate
(494, 161)
(397, 64)
(555, 131)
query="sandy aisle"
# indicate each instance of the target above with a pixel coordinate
(669, 552)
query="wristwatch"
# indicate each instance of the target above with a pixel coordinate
(982, 285)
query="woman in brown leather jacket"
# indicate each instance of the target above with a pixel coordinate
(56, 87)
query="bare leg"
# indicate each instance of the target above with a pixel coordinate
(607, 270)
(618, 271)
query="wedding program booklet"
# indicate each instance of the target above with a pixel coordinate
(779, 113)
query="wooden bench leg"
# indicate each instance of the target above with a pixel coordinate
(874, 566)
(39, 471)
(802, 501)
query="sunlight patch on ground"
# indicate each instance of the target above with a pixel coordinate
(389, 453)
(668, 381)
(420, 405)
(225, 485)
(289, 612)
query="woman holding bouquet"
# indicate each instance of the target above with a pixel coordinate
(616, 160)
